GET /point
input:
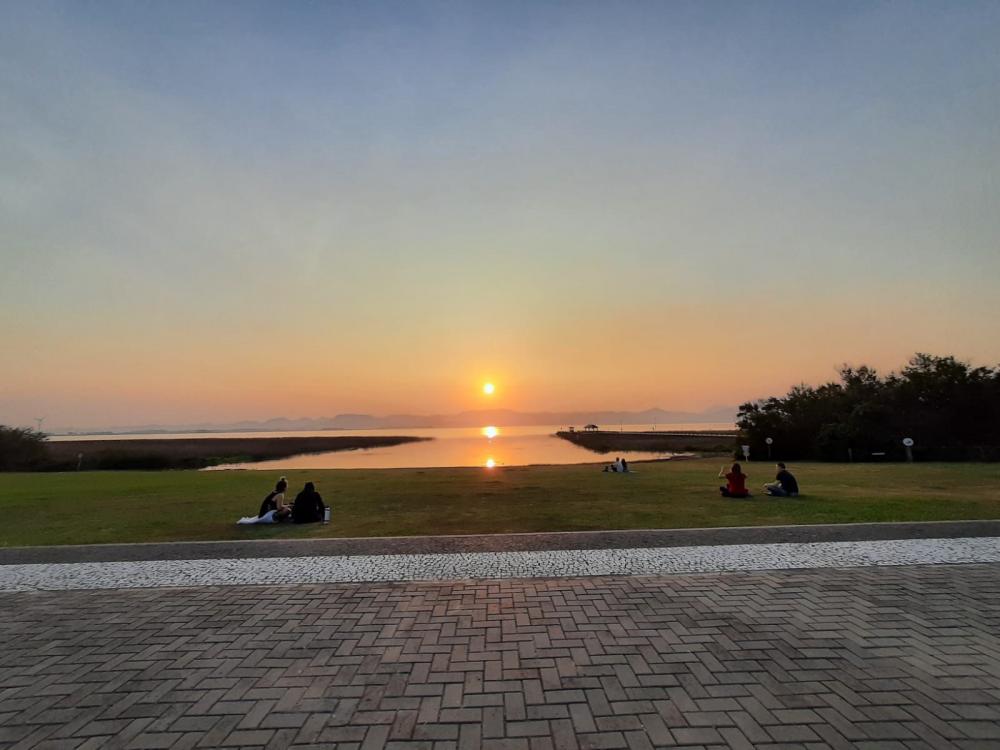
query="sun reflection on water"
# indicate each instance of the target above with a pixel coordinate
(491, 431)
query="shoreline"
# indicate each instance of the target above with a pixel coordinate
(601, 460)
(242, 453)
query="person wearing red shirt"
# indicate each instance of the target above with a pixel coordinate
(736, 482)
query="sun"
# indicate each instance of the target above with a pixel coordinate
(488, 388)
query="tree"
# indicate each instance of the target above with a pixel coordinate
(949, 408)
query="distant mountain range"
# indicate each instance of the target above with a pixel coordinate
(503, 417)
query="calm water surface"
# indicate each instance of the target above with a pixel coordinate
(451, 446)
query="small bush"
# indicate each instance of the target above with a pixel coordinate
(21, 448)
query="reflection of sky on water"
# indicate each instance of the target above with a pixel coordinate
(508, 446)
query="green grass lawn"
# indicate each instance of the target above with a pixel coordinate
(93, 507)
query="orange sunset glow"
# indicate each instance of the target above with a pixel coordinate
(559, 227)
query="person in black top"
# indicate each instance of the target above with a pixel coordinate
(308, 506)
(785, 484)
(275, 501)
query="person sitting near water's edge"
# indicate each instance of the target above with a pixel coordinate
(308, 506)
(617, 467)
(736, 482)
(785, 484)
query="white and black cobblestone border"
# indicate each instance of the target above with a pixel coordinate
(469, 543)
(495, 565)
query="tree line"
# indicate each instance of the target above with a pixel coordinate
(949, 409)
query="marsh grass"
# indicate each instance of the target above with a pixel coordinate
(197, 453)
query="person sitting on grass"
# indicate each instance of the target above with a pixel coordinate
(275, 501)
(736, 482)
(785, 484)
(308, 506)
(618, 467)
(272, 508)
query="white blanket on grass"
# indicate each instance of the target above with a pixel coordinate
(266, 518)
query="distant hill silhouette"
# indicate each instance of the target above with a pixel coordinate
(477, 418)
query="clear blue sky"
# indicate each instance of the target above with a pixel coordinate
(223, 210)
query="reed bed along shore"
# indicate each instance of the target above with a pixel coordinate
(197, 453)
(608, 441)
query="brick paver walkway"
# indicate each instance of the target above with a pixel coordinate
(905, 657)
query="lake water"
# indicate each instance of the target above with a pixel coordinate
(449, 446)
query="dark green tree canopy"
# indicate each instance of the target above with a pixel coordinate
(950, 409)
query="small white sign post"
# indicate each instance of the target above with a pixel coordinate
(746, 452)
(908, 444)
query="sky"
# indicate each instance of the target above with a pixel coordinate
(222, 211)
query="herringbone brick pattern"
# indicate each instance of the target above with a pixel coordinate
(868, 658)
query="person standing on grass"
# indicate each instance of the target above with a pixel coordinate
(736, 482)
(308, 506)
(784, 485)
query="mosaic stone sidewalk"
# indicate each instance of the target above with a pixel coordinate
(886, 657)
(518, 564)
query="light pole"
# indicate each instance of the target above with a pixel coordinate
(908, 444)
